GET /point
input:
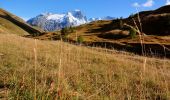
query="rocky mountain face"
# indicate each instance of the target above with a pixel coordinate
(104, 18)
(52, 22)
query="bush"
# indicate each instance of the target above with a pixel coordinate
(132, 33)
(71, 29)
(121, 23)
(67, 30)
(36, 34)
(80, 39)
(131, 16)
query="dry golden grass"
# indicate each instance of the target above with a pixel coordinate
(57, 70)
(11, 24)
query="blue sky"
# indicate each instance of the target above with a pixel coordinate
(91, 8)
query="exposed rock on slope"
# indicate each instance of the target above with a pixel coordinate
(52, 22)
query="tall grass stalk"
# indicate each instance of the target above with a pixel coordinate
(35, 69)
(84, 73)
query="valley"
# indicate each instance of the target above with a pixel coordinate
(114, 34)
(119, 59)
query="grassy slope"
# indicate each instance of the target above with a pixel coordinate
(103, 31)
(12, 24)
(73, 72)
(102, 34)
(9, 27)
(114, 34)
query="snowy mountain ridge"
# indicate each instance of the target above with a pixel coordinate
(52, 22)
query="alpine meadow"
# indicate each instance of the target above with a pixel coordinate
(89, 53)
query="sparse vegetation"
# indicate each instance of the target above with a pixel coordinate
(80, 39)
(132, 33)
(121, 22)
(65, 71)
(49, 70)
(35, 34)
(131, 16)
(67, 30)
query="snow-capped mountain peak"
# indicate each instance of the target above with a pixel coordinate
(51, 22)
(104, 18)
(55, 16)
(78, 14)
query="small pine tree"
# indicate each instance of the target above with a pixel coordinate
(64, 31)
(131, 16)
(121, 22)
(67, 30)
(132, 33)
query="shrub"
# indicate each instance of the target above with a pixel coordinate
(36, 34)
(80, 39)
(63, 31)
(71, 29)
(132, 33)
(131, 16)
(121, 23)
(67, 30)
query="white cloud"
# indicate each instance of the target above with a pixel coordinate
(148, 3)
(167, 2)
(136, 4)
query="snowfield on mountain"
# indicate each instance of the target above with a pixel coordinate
(52, 22)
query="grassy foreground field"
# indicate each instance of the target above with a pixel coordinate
(45, 70)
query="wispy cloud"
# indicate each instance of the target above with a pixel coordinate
(136, 4)
(167, 2)
(148, 3)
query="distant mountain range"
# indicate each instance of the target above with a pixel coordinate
(52, 22)
(104, 18)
